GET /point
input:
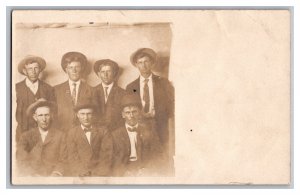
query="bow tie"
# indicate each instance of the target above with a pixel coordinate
(133, 129)
(86, 130)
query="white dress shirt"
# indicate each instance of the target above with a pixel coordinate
(133, 142)
(43, 134)
(150, 85)
(32, 86)
(77, 87)
(87, 134)
(108, 89)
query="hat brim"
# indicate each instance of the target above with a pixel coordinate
(31, 109)
(106, 62)
(147, 51)
(26, 60)
(79, 56)
(85, 106)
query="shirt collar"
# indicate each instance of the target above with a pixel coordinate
(29, 83)
(83, 127)
(43, 131)
(77, 82)
(128, 126)
(142, 79)
(109, 86)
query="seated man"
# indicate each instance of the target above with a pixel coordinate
(84, 144)
(135, 149)
(40, 150)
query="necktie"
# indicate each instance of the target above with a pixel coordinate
(74, 93)
(146, 96)
(105, 93)
(133, 129)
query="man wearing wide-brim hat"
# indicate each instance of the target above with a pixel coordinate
(108, 94)
(29, 90)
(135, 149)
(84, 143)
(71, 92)
(40, 150)
(156, 93)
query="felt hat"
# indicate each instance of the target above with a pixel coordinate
(31, 59)
(146, 51)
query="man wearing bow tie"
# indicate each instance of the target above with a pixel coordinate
(73, 91)
(84, 144)
(29, 90)
(40, 151)
(156, 94)
(135, 148)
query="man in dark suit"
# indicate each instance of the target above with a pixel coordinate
(133, 148)
(85, 157)
(73, 91)
(40, 150)
(108, 94)
(29, 90)
(156, 94)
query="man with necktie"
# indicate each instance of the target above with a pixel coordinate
(156, 94)
(29, 90)
(40, 151)
(107, 95)
(84, 154)
(134, 149)
(72, 91)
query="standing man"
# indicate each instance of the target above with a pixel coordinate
(108, 94)
(29, 90)
(156, 94)
(134, 149)
(85, 157)
(73, 91)
(40, 150)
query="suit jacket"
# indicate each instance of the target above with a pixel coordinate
(25, 97)
(163, 93)
(83, 158)
(35, 157)
(110, 113)
(149, 150)
(66, 117)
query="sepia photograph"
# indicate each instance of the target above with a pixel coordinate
(150, 97)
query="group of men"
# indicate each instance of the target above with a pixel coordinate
(73, 129)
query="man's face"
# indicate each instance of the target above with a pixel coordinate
(32, 71)
(131, 114)
(73, 70)
(106, 74)
(43, 117)
(85, 116)
(144, 65)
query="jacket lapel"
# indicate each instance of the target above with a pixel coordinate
(125, 140)
(94, 134)
(49, 137)
(155, 86)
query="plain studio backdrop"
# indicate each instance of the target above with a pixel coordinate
(230, 69)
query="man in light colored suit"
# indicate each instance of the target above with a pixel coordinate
(29, 90)
(73, 91)
(84, 156)
(40, 151)
(108, 94)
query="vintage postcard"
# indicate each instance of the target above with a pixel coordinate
(151, 97)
